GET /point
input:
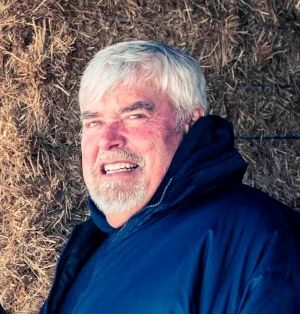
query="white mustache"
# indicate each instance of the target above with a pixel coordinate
(115, 155)
(119, 154)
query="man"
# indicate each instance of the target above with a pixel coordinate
(172, 228)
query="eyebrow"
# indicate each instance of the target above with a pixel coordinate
(89, 115)
(148, 106)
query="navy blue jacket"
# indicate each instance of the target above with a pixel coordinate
(205, 243)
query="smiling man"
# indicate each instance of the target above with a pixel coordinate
(172, 227)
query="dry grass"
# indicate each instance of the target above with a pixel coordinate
(250, 52)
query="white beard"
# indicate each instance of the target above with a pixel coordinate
(121, 196)
(118, 197)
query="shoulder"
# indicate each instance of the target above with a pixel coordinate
(251, 207)
(264, 212)
(248, 225)
(242, 213)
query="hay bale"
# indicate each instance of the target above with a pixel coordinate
(250, 53)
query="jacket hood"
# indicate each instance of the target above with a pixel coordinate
(205, 160)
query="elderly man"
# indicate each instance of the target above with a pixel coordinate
(172, 228)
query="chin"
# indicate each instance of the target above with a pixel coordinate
(118, 197)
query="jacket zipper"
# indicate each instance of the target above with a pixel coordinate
(117, 236)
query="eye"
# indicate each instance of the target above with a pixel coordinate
(136, 116)
(92, 124)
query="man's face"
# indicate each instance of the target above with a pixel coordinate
(129, 138)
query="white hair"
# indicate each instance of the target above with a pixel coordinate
(172, 72)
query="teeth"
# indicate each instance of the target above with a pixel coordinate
(118, 167)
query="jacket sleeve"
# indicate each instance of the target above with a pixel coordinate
(273, 292)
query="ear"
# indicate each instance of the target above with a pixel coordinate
(198, 113)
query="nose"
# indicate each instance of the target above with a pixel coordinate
(111, 137)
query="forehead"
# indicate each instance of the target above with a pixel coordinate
(123, 95)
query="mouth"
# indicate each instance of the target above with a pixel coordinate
(111, 168)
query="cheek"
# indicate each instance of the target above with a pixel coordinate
(158, 145)
(89, 152)
(138, 136)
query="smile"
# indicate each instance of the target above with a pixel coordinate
(118, 167)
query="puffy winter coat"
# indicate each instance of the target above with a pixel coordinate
(205, 244)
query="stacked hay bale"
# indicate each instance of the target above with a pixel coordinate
(250, 54)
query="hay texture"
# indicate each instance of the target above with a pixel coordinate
(249, 51)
